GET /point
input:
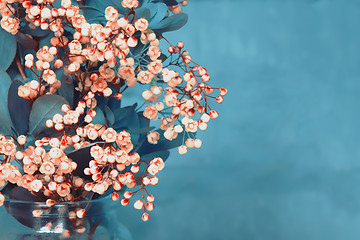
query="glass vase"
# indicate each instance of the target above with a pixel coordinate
(21, 220)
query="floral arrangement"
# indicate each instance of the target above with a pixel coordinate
(65, 66)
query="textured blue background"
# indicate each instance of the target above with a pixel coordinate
(282, 161)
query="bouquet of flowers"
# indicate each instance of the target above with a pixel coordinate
(65, 66)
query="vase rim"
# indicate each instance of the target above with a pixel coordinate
(9, 200)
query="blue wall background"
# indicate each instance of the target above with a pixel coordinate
(282, 161)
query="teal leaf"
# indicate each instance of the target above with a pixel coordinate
(44, 108)
(5, 120)
(143, 166)
(7, 49)
(82, 158)
(99, 118)
(14, 73)
(171, 23)
(126, 118)
(30, 75)
(113, 103)
(150, 156)
(26, 40)
(171, 2)
(19, 108)
(93, 15)
(110, 116)
(67, 86)
(144, 123)
(158, 13)
(142, 12)
(140, 130)
(45, 41)
(102, 4)
(167, 2)
(37, 32)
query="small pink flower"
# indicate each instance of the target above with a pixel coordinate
(75, 47)
(170, 100)
(99, 85)
(127, 72)
(145, 77)
(170, 134)
(65, 3)
(153, 137)
(92, 133)
(123, 138)
(159, 162)
(141, 24)
(106, 72)
(166, 123)
(63, 189)
(78, 20)
(36, 185)
(130, 3)
(151, 112)
(111, 14)
(6, 10)
(191, 126)
(154, 53)
(96, 152)
(8, 148)
(47, 168)
(30, 168)
(182, 149)
(155, 67)
(56, 152)
(109, 135)
(139, 204)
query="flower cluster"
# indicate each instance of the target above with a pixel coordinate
(73, 81)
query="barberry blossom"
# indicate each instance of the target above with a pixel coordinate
(141, 24)
(153, 137)
(81, 139)
(129, 3)
(151, 112)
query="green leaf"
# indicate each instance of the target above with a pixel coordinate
(44, 108)
(19, 108)
(5, 120)
(7, 49)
